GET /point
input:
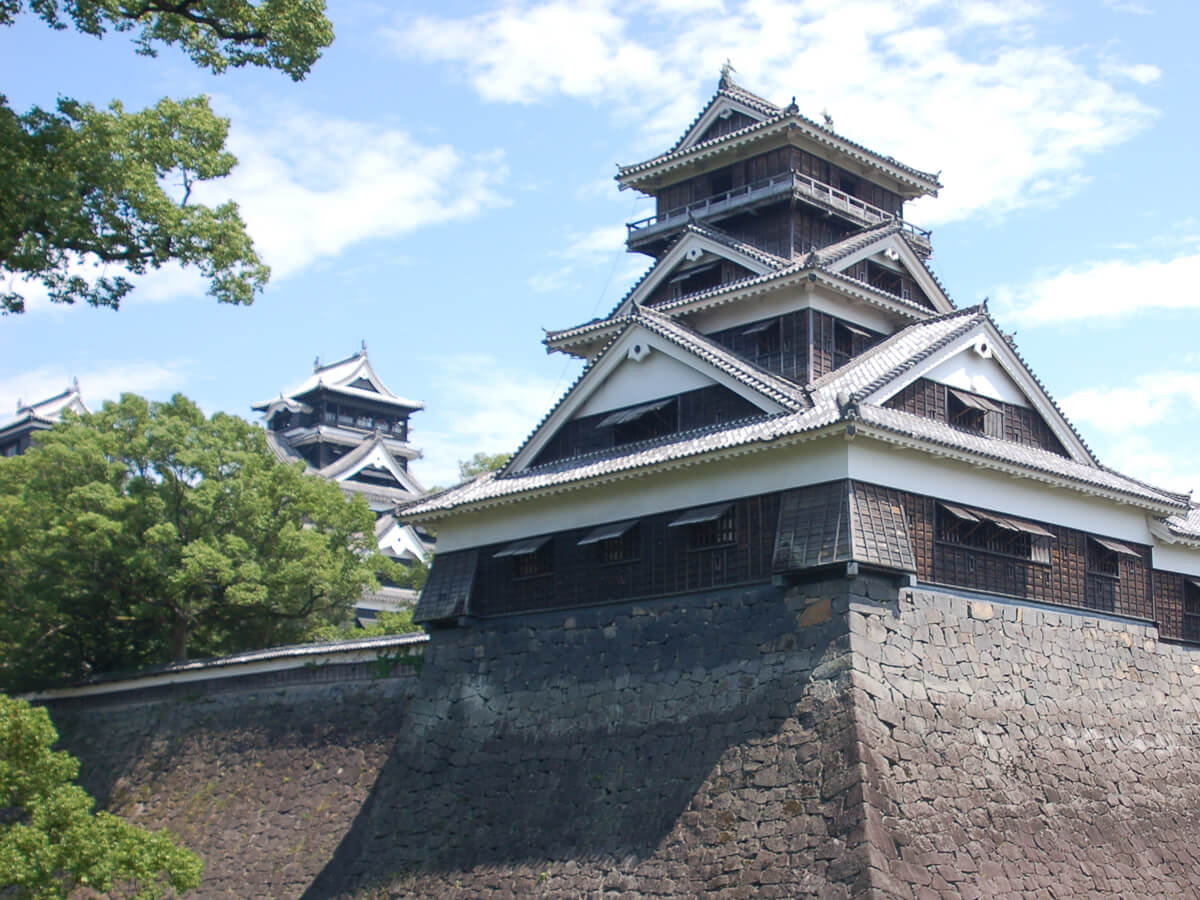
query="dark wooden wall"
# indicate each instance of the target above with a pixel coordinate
(704, 406)
(1021, 425)
(665, 563)
(766, 165)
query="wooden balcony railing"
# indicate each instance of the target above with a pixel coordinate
(794, 183)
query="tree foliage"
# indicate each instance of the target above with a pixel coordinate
(50, 840)
(81, 186)
(147, 532)
(482, 462)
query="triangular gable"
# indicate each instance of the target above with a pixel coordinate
(400, 540)
(982, 362)
(892, 247)
(724, 104)
(691, 249)
(639, 366)
(730, 100)
(376, 455)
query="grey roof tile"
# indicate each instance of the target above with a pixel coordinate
(859, 378)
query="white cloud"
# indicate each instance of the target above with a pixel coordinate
(964, 86)
(472, 414)
(1107, 289)
(308, 187)
(1150, 399)
(551, 282)
(607, 240)
(98, 384)
(1126, 6)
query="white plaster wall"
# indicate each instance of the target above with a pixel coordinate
(742, 476)
(947, 479)
(1174, 558)
(658, 375)
(971, 372)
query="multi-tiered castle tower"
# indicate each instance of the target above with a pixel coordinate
(345, 425)
(789, 391)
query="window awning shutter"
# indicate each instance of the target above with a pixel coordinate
(1116, 547)
(702, 514)
(974, 401)
(523, 548)
(854, 329)
(959, 512)
(622, 416)
(607, 532)
(760, 327)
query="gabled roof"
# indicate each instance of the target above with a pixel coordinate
(768, 390)
(341, 377)
(729, 96)
(774, 121)
(823, 266)
(48, 411)
(705, 238)
(374, 450)
(850, 396)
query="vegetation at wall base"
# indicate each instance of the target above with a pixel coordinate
(51, 842)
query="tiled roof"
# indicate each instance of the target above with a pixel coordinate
(709, 231)
(1185, 525)
(730, 91)
(338, 376)
(778, 117)
(48, 411)
(829, 398)
(779, 389)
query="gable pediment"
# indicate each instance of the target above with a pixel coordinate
(377, 466)
(639, 369)
(892, 254)
(692, 252)
(981, 370)
(723, 115)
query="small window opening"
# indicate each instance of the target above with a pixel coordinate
(1191, 610)
(971, 412)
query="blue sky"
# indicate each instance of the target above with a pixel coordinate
(441, 187)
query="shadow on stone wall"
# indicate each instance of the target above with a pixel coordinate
(666, 748)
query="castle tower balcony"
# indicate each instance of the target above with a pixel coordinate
(650, 234)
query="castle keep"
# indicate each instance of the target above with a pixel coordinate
(788, 392)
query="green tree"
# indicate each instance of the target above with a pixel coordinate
(50, 840)
(147, 532)
(397, 622)
(482, 462)
(81, 185)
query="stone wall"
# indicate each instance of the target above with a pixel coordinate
(845, 738)
(1016, 751)
(261, 776)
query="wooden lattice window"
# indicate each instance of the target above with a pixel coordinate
(1191, 610)
(615, 543)
(709, 526)
(643, 422)
(995, 534)
(532, 557)
(1103, 558)
(972, 412)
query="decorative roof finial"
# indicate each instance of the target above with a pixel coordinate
(828, 119)
(727, 71)
(316, 363)
(792, 108)
(364, 347)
